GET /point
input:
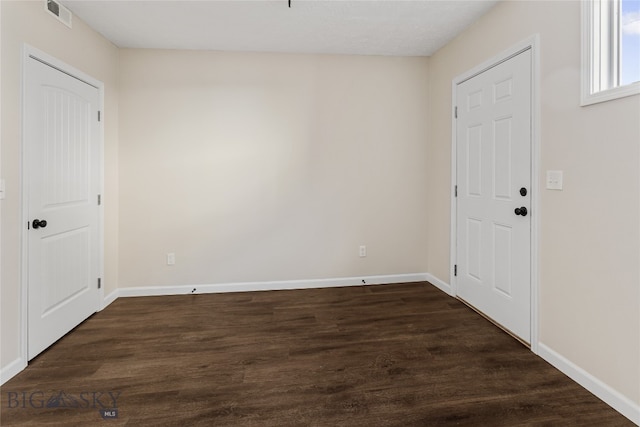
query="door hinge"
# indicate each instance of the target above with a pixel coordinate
(455, 112)
(98, 115)
(455, 270)
(99, 199)
(99, 283)
(455, 191)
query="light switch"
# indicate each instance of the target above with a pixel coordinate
(554, 180)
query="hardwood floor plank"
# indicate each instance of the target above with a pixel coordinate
(389, 355)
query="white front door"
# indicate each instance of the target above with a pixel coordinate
(493, 154)
(62, 180)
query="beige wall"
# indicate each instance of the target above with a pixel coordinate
(82, 48)
(589, 233)
(262, 167)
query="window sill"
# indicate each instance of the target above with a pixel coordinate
(609, 94)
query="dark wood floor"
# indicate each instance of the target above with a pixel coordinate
(392, 355)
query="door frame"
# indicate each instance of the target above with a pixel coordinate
(531, 43)
(29, 52)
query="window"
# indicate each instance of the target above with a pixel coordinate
(610, 49)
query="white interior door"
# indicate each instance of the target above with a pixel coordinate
(493, 143)
(62, 165)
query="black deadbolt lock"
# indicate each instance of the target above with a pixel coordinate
(523, 191)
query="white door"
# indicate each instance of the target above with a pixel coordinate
(61, 189)
(493, 143)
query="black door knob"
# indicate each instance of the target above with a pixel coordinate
(523, 191)
(39, 223)
(521, 211)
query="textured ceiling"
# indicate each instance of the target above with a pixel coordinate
(383, 27)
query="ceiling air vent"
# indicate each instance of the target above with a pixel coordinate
(61, 13)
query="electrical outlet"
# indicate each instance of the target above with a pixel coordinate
(363, 251)
(171, 258)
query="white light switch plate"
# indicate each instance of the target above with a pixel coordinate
(554, 180)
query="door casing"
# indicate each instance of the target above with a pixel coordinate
(532, 43)
(31, 52)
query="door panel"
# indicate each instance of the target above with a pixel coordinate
(474, 248)
(66, 148)
(493, 146)
(502, 188)
(62, 162)
(65, 268)
(474, 161)
(502, 261)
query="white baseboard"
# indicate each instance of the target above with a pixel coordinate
(11, 370)
(611, 397)
(269, 286)
(440, 284)
(110, 298)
